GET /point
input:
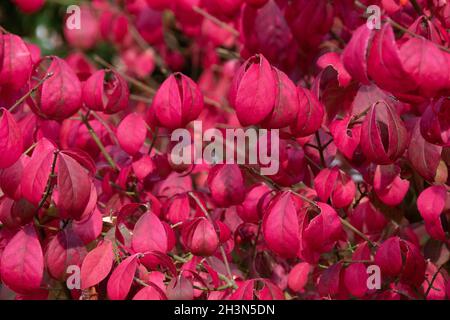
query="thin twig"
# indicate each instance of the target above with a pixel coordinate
(216, 21)
(319, 147)
(417, 7)
(356, 117)
(30, 92)
(106, 126)
(139, 98)
(98, 142)
(401, 28)
(152, 144)
(145, 46)
(49, 187)
(222, 251)
(430, 286)
(359, 233)
(4, 30)
(263, 177)
(135, 82)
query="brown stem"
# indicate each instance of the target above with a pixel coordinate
(263, 177)
(417, 7)
(356, 117)
(222, 251)
(155, 136)
(30, 92)
(320, 148)
(430, 286)
(215, 20)
(135, 82)
(106, 126)
(98, 142)
(145, 46)
(359, 233)
(4, 30)
(49, 188)
(400, 27)
(139, 98)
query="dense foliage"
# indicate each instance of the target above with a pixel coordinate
(93, 206)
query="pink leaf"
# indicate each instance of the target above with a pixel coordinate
(298, 276)
(253, 91)
(345, 139)
(119, 283)
(37, 171)
(74, 187)
(180, 288)
(90, 227)
(281, 226)
(97, 265)
(356, 52)
(389, 186)
(131, 133)
(149, 234)
(11, 142)
(355, 279)
(424, 156)
(22, 262)
(65, 249)
(431, 203)
(148, 293)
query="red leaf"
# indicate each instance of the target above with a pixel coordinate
(22, 263)
(83, 158)
(60, 95)
(385, 65)
(389, 186)
(330, 280)
(131, 133)
(11, 142)
(37, 171)
(244, 292)
(431, 203)
(345, 139)
(200, 237)
(180, 288)
(148, 293)
(310, 115)
(97, 264)
(226, 184)
(334, 60)
(65, 249)
(424, 156)
(16, 65)
(90, 227)
(384, 134)
(355, 279)
(325, 181)
(106, 95)
(281, 226)
(356, 52)
(298, 276)
(119, 283)
(389, 258)
(253, 91)
(74, 187)
(10, 178)
(177, 102)
(149, 234)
